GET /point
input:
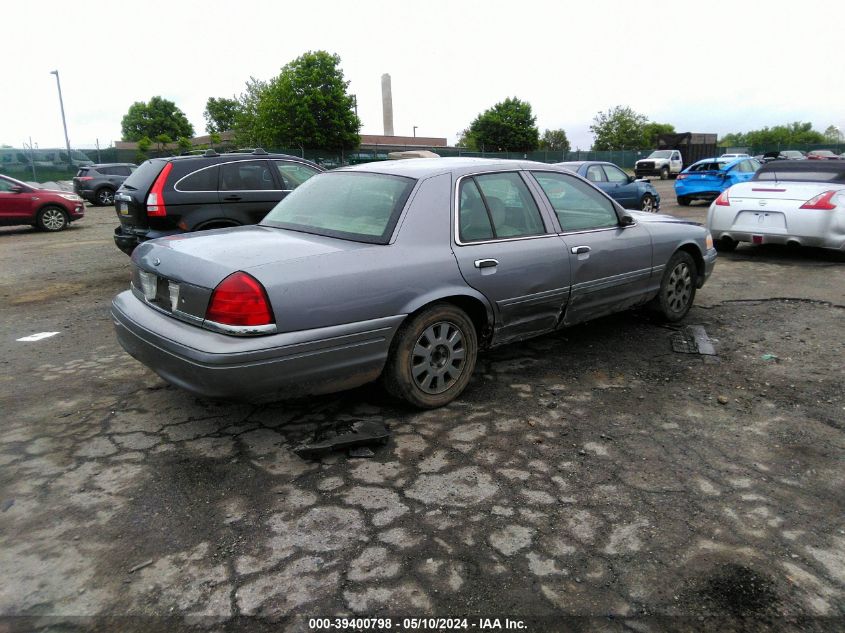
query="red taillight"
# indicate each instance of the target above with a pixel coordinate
(240, 299)
(85, 177)
(821, 201)
(155, 199)
(723, 200)
(681, 176)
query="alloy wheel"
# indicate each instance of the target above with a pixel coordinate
(679, 288)
(53, 220)
(438, 358)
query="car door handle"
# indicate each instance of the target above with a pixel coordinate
(580, 250)
(486, 263)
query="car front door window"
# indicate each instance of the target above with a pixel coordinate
(615, 175)
(595, 174)
(578, 207)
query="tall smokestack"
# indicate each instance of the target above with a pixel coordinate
(387, 104)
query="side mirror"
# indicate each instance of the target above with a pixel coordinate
(15, 188)
(631, 179)
(626, 220)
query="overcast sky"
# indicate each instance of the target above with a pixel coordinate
(702, 66)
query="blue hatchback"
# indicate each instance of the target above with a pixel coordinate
(626, 190)
(709, 177)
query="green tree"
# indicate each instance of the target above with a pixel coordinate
(796, 133)
(832, 134)
(158, 116)
(509, 126)
(220, 114)
(246, 116)
(555, 140)
(184, 143)
(307, 105)
(465, 140)
(619, 128)
(652, 130)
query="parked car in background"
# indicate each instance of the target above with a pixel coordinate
(784, 154)
(661, 162)
(44, 208)
(167, 196)
(798, 203)
(822, 154)
(627, 190)
(98, 183)
(733, 156)
(707, 178)
(404, 270)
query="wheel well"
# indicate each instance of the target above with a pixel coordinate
(697, 257)
(101, 187)
(475, 309)
(53, 205)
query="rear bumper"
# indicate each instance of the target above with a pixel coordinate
(698, 193)
(815, 228)
(127, 239)
(290, 364)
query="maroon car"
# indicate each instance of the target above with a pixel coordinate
(47, 209)
(821, 154)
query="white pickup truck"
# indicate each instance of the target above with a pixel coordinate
(661, 162)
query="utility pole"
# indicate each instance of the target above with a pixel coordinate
(64, 122)
(415, 131)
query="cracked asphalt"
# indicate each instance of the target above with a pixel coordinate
(591, 479)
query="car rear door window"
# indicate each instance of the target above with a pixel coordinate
(578, 206)
(595, 174)
(294, 174)
(504, 199)
(201, 180)
(246, 175)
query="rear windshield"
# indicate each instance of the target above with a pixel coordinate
(82, 172)
(710, 166)
(142, 178)
(663, 153)
(802, 175)
(357, 206)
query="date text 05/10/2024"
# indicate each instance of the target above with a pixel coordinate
(415, 624)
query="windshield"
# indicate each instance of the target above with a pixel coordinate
(661, 153)
(350, 205)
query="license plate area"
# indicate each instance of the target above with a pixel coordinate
(122, 207)
(162, 292)
(761, 219)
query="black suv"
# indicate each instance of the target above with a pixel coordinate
(172, 195)
(97, 183)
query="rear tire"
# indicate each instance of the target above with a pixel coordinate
(647, 203)
(725, 245)
(664, 173)
(104, 197)
(52, 219)
(432, 357)
(677, 288)
(683, 201)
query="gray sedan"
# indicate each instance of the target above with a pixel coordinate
(400, 270)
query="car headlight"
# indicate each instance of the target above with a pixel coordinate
(70, 196)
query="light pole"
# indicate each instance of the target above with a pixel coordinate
(415, 131)
(64, 122)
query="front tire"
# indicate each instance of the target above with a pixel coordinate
(51, 219)
(677, 288)
(104, 197)
(432, 357)
(664, 173)
(647, 203)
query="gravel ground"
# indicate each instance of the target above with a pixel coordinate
(588, 480)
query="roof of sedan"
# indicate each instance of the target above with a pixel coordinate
(425, 167)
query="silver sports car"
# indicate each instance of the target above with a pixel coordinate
(800, 203)
(400, 270)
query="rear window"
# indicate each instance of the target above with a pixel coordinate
(143, 177)
(357, 206)
(711, 166)
(663, 153)
(801, 175)
(81, 172)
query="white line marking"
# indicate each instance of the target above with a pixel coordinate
(36, 337)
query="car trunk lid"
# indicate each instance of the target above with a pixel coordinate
(775, 190)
